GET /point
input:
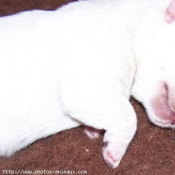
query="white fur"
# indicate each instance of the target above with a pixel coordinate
(65, 68)
(75, 66)
(155, 78)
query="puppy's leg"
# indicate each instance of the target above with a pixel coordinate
(120, 130)
(91, 132)
(117, 117)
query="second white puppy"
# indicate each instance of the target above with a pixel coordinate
(154, 83)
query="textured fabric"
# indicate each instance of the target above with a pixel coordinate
(151, 152)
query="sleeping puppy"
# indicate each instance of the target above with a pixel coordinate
(155, 52)
(65, 68)
(76, 66)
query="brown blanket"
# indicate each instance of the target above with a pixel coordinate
(152, 151)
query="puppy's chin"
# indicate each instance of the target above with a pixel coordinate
(157, 120)
(161, 116)
(159, 107)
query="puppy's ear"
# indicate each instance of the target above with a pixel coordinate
(170, 12)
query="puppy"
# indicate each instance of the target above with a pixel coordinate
(154, 83)
(65, 68)
(77, 65)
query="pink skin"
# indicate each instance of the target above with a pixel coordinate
(170, 13)
(162, 104)
(91, 132)
(171, 99)
(114, 154)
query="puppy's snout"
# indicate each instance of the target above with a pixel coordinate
(171, 98)
(173, 120)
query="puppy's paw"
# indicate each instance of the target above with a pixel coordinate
(113, 153)
(92, 133)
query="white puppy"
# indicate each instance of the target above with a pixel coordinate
(75, 66)
(65, 68)
(154, 83)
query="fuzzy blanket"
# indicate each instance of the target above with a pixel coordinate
(152, 151)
